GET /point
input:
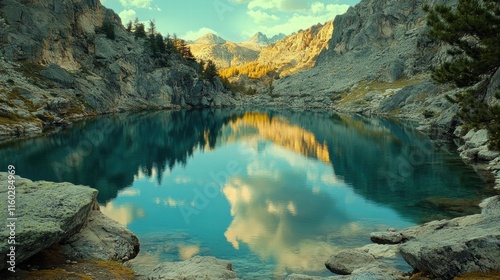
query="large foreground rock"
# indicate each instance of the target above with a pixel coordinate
(195, 268)
(450, 248)
(46, 213)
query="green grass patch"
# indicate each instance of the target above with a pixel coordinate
(357, 95)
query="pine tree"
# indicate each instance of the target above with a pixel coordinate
(155, 48)
(473, 31)
(129, 26)
(169, 44)
(160, 43)
(139, 29)
(210, 72)
(183, 49)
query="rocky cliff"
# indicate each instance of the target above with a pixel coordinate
(374, 40)
(297, 51)
(377, 49)
(55, 66)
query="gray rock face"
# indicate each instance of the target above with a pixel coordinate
(493, 88)
(59, 75)
(450, 248)
(195, 268)
(52, 50)
(374, 40)
(46, 213)
(399, 99)
(102, 238)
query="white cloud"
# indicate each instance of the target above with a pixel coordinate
(317, 13)
(262, 17)
(282, 5)
(127, 15)
(136, 3)
(193, 35)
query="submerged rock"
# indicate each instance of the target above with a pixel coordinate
(363, 263)
(195, 268)
(345, 262)
(387, 237)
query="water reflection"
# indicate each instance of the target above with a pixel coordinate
(279, 218)
(294, 186)
(277, 129)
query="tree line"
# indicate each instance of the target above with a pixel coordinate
(161, 48)
(472, 30)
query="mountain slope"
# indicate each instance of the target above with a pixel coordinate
(378, 60)
(223, 53)
(382, 40)
(226, 53)
(297, 51)
(210, 39)
(289, 55)
(55, 67)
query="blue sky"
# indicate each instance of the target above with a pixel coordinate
(235, 20)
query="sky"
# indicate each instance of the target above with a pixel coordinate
(234, 20)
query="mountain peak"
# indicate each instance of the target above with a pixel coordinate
(210, 38)
(261, 40)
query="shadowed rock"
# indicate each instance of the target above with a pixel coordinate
(102, 238)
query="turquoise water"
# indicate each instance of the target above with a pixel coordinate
(275, 192)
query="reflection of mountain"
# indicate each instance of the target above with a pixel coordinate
(385, 162)
(391, 163)
(281, 133)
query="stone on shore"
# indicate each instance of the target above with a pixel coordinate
(446, 249)
(363, 263)
(46, 213)
(195, 268)
(102, 238)
(346, 261)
